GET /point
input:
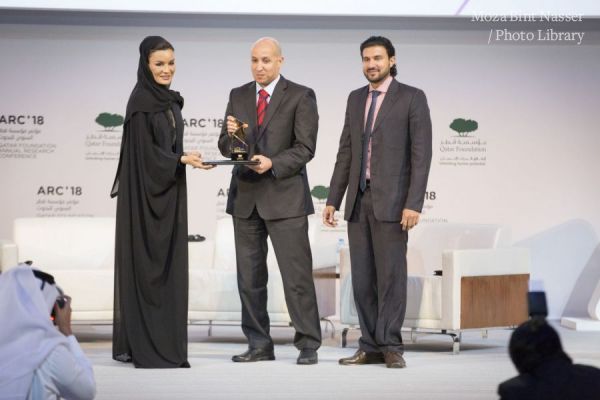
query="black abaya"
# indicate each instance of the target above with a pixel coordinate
(151, 253)
(151, 256)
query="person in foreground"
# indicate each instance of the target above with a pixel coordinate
(39, 359)
(273, 199)
(151, 249)
(545, 371)
(383, 161)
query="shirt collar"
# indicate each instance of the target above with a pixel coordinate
(383, 88)
(270, 88)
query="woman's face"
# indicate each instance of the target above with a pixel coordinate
(162, 66)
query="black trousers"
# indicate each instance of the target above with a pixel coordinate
(292, 250)
(378, 259)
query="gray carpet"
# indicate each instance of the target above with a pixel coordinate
(433, 372)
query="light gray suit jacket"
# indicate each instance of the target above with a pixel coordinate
(288, 136)
(400, 153)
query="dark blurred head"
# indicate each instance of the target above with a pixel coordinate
(533, 343)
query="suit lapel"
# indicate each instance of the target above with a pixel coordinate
(390, 98)
(362, 103)
(276, 99)
(250, 106)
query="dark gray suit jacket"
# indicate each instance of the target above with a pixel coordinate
(400, 153)
(288, 136)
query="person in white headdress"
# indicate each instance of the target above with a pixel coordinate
(39, 359)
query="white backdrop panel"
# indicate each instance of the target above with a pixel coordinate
(531, 164)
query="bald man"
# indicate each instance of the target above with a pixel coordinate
(272, 199)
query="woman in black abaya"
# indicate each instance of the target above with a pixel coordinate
(151, 253)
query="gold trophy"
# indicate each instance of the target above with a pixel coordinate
(238, 146)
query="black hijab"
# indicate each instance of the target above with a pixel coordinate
(147, 95)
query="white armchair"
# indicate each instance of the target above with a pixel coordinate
(483, 285)
(213, 278)
(213, 281)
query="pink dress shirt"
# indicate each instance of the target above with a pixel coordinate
(383, 88)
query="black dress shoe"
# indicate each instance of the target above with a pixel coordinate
(361, 357)
(307, 357)
(252, 355)
(393, 359)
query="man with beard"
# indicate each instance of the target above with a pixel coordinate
(383, 161)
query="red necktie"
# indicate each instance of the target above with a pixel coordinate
(261, 106)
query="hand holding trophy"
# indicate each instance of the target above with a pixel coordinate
(236, 142)
(237, 133)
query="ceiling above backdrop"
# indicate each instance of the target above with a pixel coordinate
(441, 8)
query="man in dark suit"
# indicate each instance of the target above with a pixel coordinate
(273, 199)
(545, 371)
(383, 162)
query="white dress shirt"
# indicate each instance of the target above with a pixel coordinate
(270, 88)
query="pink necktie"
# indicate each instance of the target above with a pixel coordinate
(366, 139)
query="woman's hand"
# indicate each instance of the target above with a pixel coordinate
(194, 159)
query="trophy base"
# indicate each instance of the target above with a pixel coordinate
(231, 162)
(239, 156)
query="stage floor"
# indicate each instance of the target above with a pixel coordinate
(433, 372)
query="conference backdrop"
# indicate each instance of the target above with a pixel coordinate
(515, 121)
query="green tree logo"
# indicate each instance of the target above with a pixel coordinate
(320, 192)
(109, 121)
(464, 126)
